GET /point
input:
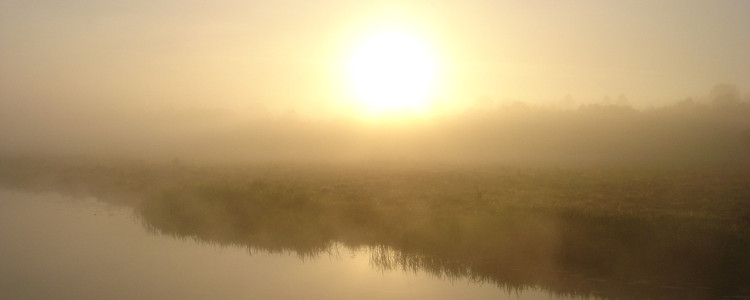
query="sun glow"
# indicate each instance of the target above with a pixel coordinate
(392, 72)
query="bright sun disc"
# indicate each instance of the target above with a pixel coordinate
(392, 72)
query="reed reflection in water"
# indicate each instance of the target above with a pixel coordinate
(58, 247)
(567, 252)
(619, 233)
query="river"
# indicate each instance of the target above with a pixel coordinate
(56, 246)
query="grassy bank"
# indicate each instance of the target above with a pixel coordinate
(620, 232)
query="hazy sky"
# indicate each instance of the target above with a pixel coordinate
(256, 56)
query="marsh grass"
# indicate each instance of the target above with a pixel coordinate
(612, 232)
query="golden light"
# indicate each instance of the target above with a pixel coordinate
(392, 72)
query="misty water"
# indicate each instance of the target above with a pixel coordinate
(64, 247)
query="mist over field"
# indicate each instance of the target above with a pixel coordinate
(711, 129)
(517, 149)
(337, 81)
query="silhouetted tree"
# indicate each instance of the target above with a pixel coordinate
(725, 96)
(567, 102)
(622, 100)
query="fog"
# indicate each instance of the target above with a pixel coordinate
(714, 128)
(256, 81)
(589, 149)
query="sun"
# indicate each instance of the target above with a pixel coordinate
(392, 72)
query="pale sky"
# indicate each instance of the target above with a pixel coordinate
(253, 56)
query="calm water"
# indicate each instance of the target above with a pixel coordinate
(58, 247)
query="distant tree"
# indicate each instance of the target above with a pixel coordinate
(725, 96)
(622, 100)
(687, 103)
(568, 101)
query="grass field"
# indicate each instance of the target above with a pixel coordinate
(637, 232)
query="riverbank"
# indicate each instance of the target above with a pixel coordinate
(620, 232)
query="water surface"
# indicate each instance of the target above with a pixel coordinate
(61, 247)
